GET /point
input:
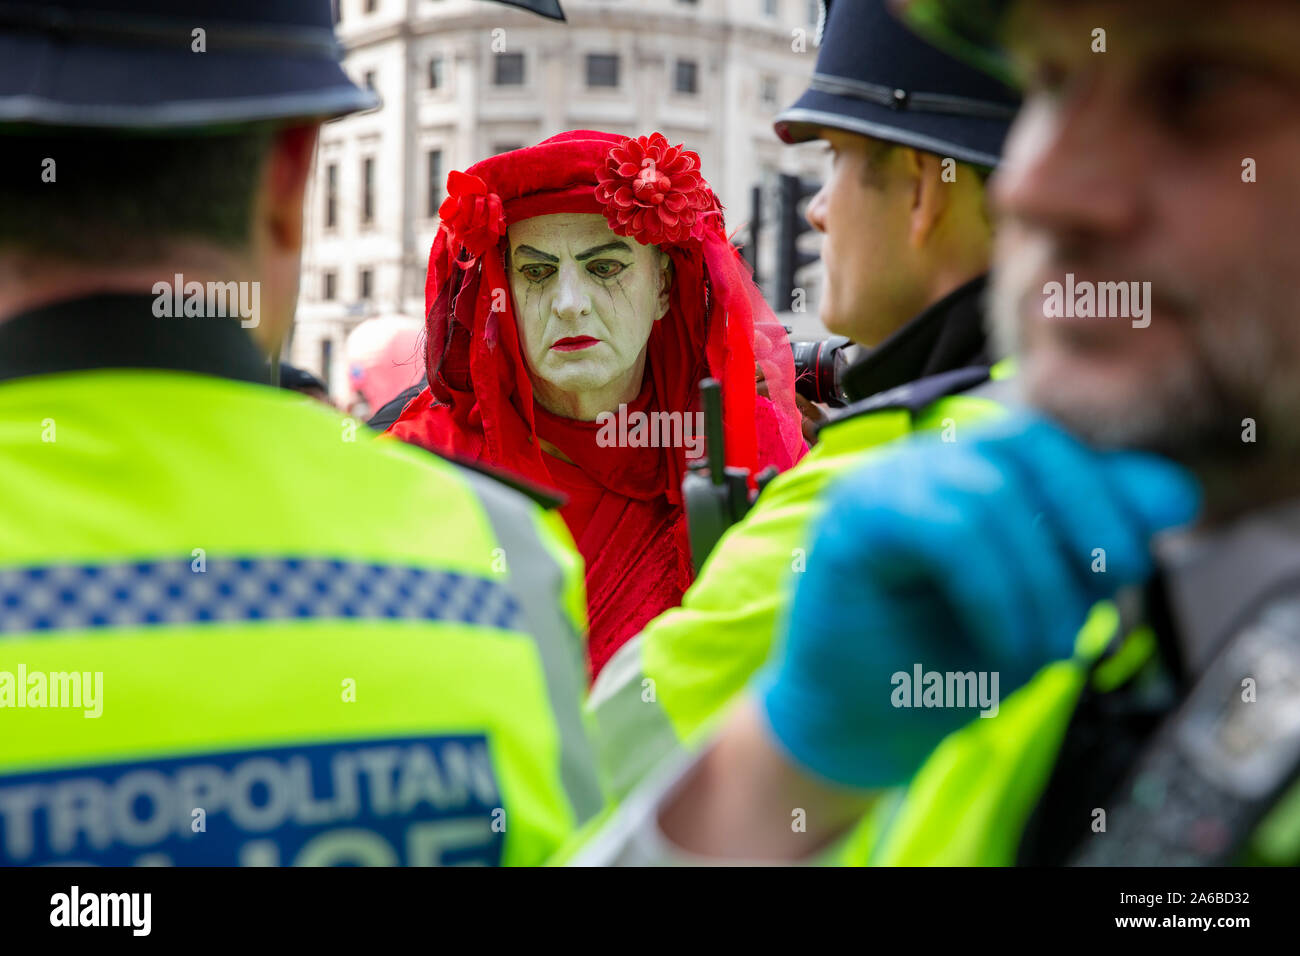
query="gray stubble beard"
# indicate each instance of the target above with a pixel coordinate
(1191, 411)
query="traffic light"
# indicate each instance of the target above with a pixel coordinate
(794, 191)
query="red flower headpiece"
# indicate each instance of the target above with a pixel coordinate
(654, 192)
(645, 188)
(474, 216)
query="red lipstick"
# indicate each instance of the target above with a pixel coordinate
(575, 343)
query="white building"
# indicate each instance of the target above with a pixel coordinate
(464, 79)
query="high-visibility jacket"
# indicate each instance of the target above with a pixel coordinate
(972, 801)
(989, 794)
(236, 629)
(664, 686)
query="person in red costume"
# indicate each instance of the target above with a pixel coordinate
(572, 285)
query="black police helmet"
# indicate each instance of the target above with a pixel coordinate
(877, 78)
(171, 64)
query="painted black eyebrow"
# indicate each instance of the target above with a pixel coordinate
(607, 246)
(537, 253)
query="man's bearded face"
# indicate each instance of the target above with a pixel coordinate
(1133, 165)
(585, 301)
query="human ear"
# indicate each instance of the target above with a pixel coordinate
(665, 282)
(277, 230)
(285, 183)
(930, 195)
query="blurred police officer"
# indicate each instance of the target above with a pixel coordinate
(1151, 726)
(233, 630)
(913, 134)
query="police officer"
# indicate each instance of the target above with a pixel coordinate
(912, 134)
(233, 630)
(1131, 724)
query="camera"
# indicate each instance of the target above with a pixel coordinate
(818, 369)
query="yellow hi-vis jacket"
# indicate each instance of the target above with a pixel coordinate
(662, 688)
(234, 629)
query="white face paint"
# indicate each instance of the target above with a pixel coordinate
(585, 301)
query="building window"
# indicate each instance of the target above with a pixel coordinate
(498, 148)
(768, 92)
(372, 6)
(687, 78)
(326, 361)
(509, 69)
(435, 73)
(602, 69)
(329, 286)
(331, 195)
(769, 8)
(367, 284)
(814, 12)
(367, 190)
(435, 182)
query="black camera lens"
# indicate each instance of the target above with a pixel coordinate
(818, 369)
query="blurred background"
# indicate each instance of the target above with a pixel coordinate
(460, 80)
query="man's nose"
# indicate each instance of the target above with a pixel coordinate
(816, 211)
(1070, 169)
(571, 298)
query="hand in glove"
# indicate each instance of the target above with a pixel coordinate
(972, 556)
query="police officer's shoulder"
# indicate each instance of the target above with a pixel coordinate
(540, 495)
(478, 471)
(915, 396)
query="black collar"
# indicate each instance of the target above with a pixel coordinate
(121, 331)
(948, 335)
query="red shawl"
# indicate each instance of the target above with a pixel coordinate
(624, 505)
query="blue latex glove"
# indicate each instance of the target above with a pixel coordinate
(969, 556)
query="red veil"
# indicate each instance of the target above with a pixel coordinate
(624, 505)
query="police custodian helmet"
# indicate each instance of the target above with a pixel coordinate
(874, 76)
(171, 64)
